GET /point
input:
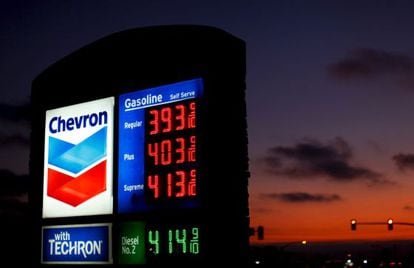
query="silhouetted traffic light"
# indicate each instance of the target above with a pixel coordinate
(353, 224)
(260, 232)
(251, 231)
(390, 223)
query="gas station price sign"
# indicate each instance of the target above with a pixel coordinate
(158, 149)
(142, 242)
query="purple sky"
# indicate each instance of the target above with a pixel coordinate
(331, 78)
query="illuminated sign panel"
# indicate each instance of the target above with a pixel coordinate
(158, 147)
(142, 243)
(78, 162)
(77, 244)
(131, 243)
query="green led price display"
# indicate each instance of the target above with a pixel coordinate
(175, 241)
(140, 242)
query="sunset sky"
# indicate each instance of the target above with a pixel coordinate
(330, 101)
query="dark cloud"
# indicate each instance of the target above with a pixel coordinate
(15, 113)
(404, 161)
(312, 159)
(12, 184)
(13, 196)
(368, 63)
(375, 182)
(13, 139)
(302, 197)
(409, 208)
(260, 210)
(11, 206)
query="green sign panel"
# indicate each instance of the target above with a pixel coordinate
(132, 243)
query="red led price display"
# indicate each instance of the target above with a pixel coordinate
(171, 152)
(179, 184)
(172, 118)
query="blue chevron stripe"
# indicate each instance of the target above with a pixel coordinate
(75, 158)
(58, 147)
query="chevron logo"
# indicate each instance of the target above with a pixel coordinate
(77, 172)
(78, 159)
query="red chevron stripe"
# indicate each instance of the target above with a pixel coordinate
(76, 190)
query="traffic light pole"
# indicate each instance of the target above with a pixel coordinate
(390, 223)
(260, 232)
(404, 223)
